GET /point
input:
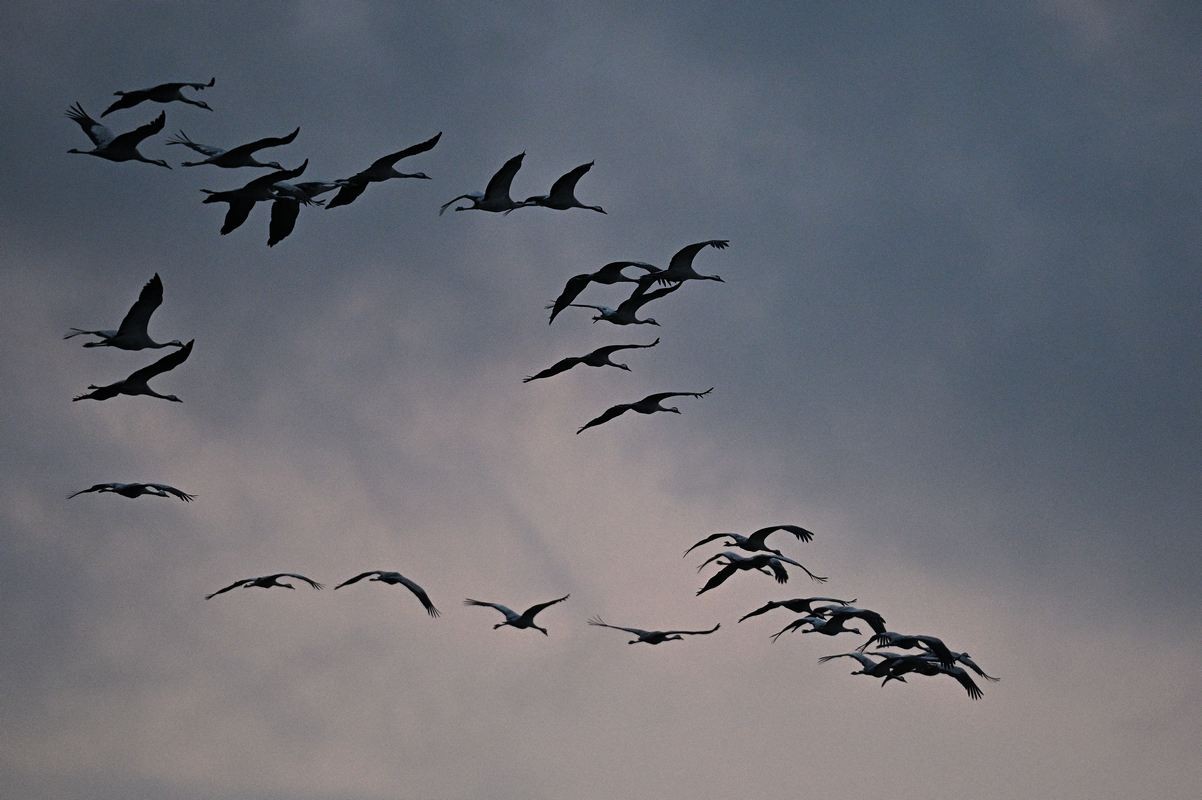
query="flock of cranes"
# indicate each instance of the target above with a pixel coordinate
(827, 616)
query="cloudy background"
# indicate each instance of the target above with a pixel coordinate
(958, 339)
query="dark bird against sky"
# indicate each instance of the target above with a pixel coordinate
(132, 333)
(136, 383)
(163, 93)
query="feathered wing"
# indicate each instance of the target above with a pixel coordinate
(233, 585)
(761, 610)
(348, 193)
(447, 204)
(125, 100)
(420, 147)
(662, 396)
(866, 662)
(137, 319)
(284, 212)
(603, 624)
(132, 138)
(262, 144)
(571, 290)
(693, 633)
(498, 184)
(563, 365)
(236, 214)
(421, 595)
(791, 627)
(718, 578)
(534, 610)
(758, 538)
(966, 681)
(642, 297)
(171, 490)
(357, 578)
(799, 565)
(709, 538)
(609, 350)
(312, 583)
(964, 659)
(508, 612)
(164, 364)
(684, 257)
(98, 487)
(611, 413)
(99, 134)
(204, 149)
(565, 186)
(612, 272)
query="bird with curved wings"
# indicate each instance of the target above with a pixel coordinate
(393, 579)
(607, 275)
(382, 169)
(648, 405)
(563, 193)
(116, 147)
(680, 268)
(163, 93)
(625, 313)
(132, 333)
(514, 619)
(241, 156)
(136, 383)
(756, 541)
(132, 490)
(761, 562)
(798, 605)
(496, 194)
(651, 637)
(265, 582)
(242, 200)
(598, 358)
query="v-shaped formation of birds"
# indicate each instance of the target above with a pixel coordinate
(829, 616)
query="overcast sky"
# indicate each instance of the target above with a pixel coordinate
(957, 338)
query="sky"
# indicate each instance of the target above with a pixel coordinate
(957, 339)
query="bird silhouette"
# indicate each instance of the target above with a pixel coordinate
(116, 147)
(132, 333)
(598, 358)
(648, 405)
(163, 93)
(393, 579)
(382, 169)
(514, 619)
(136, 383)
(496, 194)
(241, 156)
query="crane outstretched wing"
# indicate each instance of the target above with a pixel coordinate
(164, 364)
(534, 610)
(606, 416)
(233, 585)
(284, 212)
(356, 579)
(566, 184)
(262, 144)
(563, 365)
(99, 134)
(420, 147)
(138, 317)
(498, 184)
(421, 595)
(132, 138)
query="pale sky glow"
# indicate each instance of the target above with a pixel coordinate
(957, 338)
